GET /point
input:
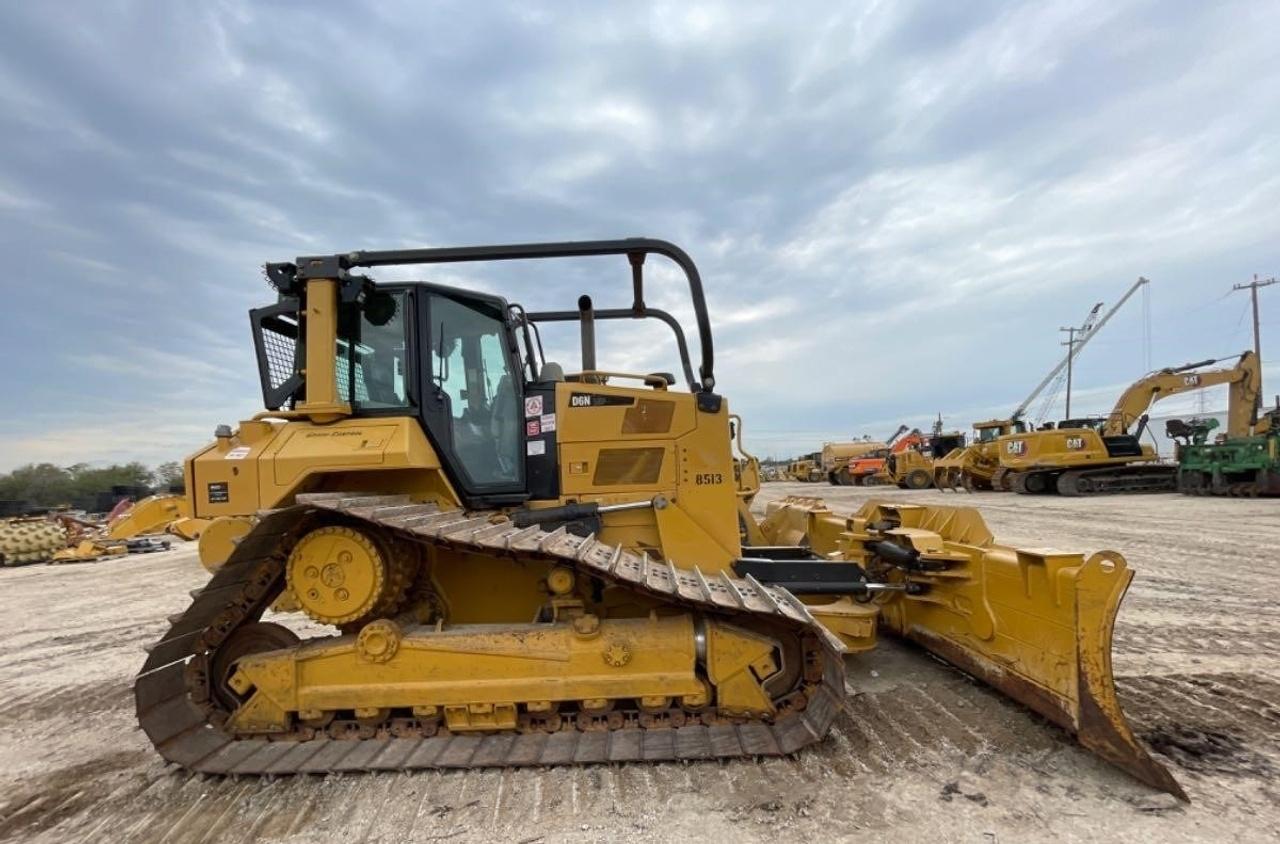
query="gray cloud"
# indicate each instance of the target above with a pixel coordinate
(894, 205)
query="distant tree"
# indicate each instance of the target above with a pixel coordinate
(167, 475)
(93, 481)
(46, 485)
(42, 484)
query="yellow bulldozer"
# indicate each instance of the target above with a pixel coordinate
(974, 466)
(1105, 456)
(519, 565)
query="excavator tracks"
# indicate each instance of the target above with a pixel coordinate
(1118, 480)
(174, 707)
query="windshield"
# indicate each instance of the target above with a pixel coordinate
(471, 367)
(372, 371)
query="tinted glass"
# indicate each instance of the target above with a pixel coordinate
(378, 373)
(471, 366)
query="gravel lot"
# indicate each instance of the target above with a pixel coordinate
(920, 752)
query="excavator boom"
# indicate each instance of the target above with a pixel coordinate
(1244, 379)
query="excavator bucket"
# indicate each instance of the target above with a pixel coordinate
(1034, 623)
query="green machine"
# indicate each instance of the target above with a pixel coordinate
(1247, 466)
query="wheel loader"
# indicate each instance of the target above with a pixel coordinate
(1105, 456)
(805, 470)
(519, 565)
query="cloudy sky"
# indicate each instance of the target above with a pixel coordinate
(894, 205)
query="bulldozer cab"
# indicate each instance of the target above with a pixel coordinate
(444, 356)
(985, 432)
(465, 374)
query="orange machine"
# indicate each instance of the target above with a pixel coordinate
(871, 469)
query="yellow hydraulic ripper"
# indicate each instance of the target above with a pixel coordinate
(522, 566)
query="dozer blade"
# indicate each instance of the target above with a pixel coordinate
(1034, 623)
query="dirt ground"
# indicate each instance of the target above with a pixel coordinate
(920, 752)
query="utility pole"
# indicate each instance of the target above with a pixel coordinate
(1252, 287)
(1071, 353)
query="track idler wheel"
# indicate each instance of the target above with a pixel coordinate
(248, 640)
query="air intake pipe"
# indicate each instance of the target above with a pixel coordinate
(587, 322)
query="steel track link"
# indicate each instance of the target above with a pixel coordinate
(184, 731)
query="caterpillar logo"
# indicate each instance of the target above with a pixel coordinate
(1075, 443)
(1190, 380)
(1016, 447)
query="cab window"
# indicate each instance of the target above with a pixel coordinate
(471, 368)
(372, 355)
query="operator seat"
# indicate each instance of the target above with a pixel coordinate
(551, 371)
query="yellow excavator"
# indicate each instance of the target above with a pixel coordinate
(977, 465)
(1104, 456)
(519, 565)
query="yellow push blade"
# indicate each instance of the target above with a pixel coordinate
(1076, 691)
(1034, 623)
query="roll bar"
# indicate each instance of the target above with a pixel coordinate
(635, 248)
